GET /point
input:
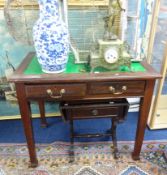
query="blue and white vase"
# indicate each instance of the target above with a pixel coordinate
(51, 39)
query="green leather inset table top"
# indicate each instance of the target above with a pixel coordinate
(35, 68)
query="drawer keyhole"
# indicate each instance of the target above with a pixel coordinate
(95, 112)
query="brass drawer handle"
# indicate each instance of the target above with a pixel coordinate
(113, 91)
(50, 93)
(95, 112)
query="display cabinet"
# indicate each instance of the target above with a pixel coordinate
(158, 58)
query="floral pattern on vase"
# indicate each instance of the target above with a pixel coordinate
(51, 39)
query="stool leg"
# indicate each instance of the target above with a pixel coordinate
(41, 104)
(114, 138)
(71, 139)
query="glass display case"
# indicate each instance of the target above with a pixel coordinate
(158, 59)
(90, 22)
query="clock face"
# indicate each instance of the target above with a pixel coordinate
(111, 55)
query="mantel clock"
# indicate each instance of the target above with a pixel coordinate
(112, 52)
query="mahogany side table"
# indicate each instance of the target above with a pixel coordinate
(32, 84)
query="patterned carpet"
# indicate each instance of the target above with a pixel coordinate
(90, 159)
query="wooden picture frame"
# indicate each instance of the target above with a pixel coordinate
(88, 2)
(27, 3)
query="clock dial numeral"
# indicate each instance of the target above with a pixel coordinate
(111, 55)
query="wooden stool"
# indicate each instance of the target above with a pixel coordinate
(114, 109)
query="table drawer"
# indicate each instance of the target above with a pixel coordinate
(56, 91)
(117, 88)
(94, 112)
